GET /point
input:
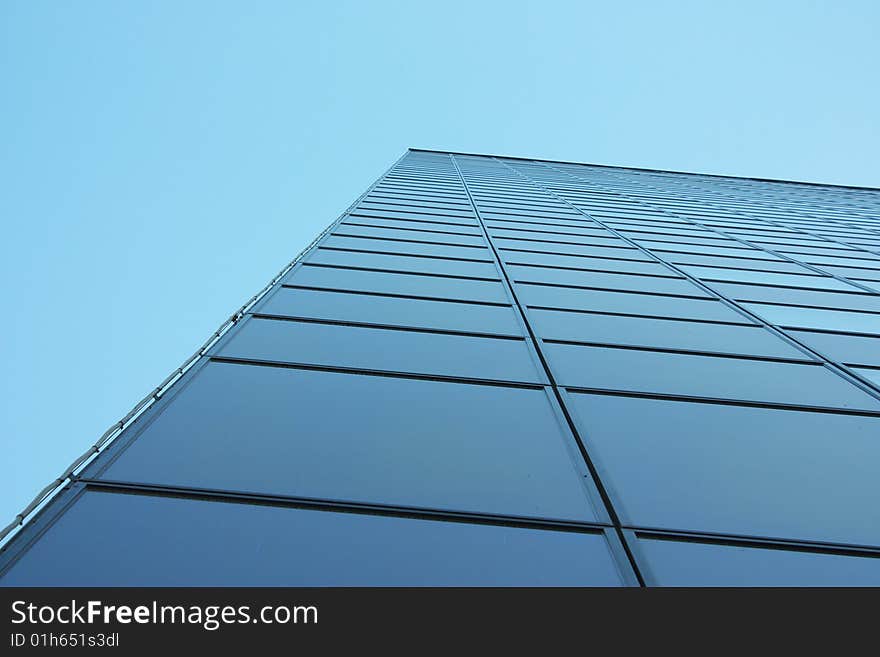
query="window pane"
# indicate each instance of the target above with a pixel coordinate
(549, 296)
(622, 250)
(768, 278)
(410, 234)
(578, 263)
(853, 349)
(403, 263)
(406, 284)
(407, 248)
(374, 439)
(817, 318)
(736, 470)
(691, 563)
(872, 375)
(612, 281)
(428, 224)
(787, 295)
(704, 376)
(109, 539)
(397, 311)
(662, 333)
(415, 352)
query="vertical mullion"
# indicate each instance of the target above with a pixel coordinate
(554, 386)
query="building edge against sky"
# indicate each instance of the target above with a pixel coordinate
(501, 371)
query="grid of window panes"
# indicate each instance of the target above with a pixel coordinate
(496, 371)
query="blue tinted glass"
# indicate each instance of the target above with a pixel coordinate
(661, 333)
(612, 281)
(686, 563)
(736, 470)
(406, 284)
(817, 318)
(622, 250)
(376, 349)
(855, 349)
(704, 376)
(407, 248)
(526, 261)
(738, 263)
(376, 439)
(409, 234)
(109, 539)
(403, 263)
(367, 215)
(550, 296)
(788, 295)
(872, 375)
(468, 228)
(395, 311)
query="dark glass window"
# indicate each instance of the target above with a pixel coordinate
(579, 263)
(412, 264)
(872, 374)
(370, 216)
(407, 248)
(817, 318)
(429, 224)
(733, 263)
(410, 234)
(660, 333)
(787, 295)
(737, 470)
(622, 250)
(395, 311)
(377, 349)
(769, 278)
(704, 376)
(375, 439)
(109, 539)
(613, 281)
(693, 563)
(549, 296)
(416, 285)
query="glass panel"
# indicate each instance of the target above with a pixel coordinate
(612, 281)
(817, 318)
(691, 563)
(623, 250)
(406, 284)
(787, 295)
(663, 247)
(664, 333)
(855, 349)
(395, 311)
(704, 376)
(110, 539)
(736, 470)
(429, 225)
(373, 216)
(407, 248)
(872, 375)
(414, 352)
(376, 439)
(403, 263)
(622, 302)
(578, 263)
(769, 278)
(739, 263)
(409, 234)
(418, 208)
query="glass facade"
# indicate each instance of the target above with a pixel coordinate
(498, 371)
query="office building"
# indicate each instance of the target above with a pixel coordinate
(502, 371)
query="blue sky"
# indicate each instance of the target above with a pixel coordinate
(162, 160)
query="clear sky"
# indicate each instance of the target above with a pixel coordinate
(160, 161)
